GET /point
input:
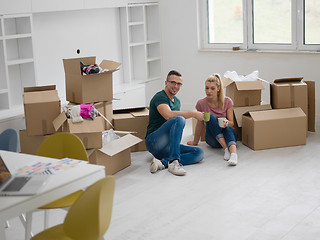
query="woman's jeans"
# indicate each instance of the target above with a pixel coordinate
(164, 144)
(214, 132)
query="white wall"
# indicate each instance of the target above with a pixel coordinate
(58, 35)
(180, 52)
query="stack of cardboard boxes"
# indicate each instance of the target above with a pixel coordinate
(44, 117)
(281, 124)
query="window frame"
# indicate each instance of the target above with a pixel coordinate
(297, 31)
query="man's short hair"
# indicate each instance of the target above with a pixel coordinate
(173, 72)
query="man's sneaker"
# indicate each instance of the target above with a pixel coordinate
(156, 165)
(176, 168)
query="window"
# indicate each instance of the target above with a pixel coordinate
(292, 25)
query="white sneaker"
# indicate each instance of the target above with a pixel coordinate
(176, 168)
(156, 165)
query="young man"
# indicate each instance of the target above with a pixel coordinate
(165, 128)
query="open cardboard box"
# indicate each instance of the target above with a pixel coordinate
(239, 111)
(135, 120)
(116, 154)
(41, 107)
(274, 128)
(243, 93)
(92, 87)
(89, 131)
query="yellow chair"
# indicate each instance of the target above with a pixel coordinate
(89, 217)
(59, 145)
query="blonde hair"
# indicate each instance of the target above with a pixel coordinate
(217, 79)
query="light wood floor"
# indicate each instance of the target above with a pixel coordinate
(270, 195)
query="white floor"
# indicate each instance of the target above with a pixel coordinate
(271, 195)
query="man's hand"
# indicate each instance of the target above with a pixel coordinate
(198, 115)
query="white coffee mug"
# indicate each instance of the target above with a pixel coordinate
(222, 121)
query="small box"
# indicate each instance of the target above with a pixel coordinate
(92, 87)
(41, 107)
(134, 120)
(115, 155)
(89, 131)
(30, 144)
(274, 128)
(243, 93)
(289, 93)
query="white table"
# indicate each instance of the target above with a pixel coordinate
(59, 185)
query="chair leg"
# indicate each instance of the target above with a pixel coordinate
(46, 219)
(7, 225)
(28, 223)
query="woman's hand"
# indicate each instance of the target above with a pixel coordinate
(192, 143)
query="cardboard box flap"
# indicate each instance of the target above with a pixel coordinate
(87, 126)
(226, 82)
(72, 66)
(239, 111)
(111, 66)
(40, 88)
(119, 116)
(58, 121)
(249, 85)
(140, 113)
(118, 145)
(277, 114)
(288, 80)
(40, 97)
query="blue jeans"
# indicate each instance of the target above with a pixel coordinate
(164, 144)
(214, 132)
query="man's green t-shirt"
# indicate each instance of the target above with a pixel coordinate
(155, 118)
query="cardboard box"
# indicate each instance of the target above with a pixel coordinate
(41, 107)
(203, 132)
(92, 87)
(289, 93)
(114, 155)
(30, 144)
(135, 120)
(311, 106)
(239, 111)
(243, 93)
(274, 128)
(89, 131)
(105, 108)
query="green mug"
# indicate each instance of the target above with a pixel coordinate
(206, 116)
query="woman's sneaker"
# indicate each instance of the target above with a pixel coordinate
(156, 165)
(176, 168)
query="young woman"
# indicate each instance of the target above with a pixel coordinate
(219, 106)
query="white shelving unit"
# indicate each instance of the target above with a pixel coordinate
(16, 61)
(141, 42)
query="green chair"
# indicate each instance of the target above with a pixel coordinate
(89, 217)
(59, 145)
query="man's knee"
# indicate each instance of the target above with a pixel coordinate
(180, 120)
(199, 154)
